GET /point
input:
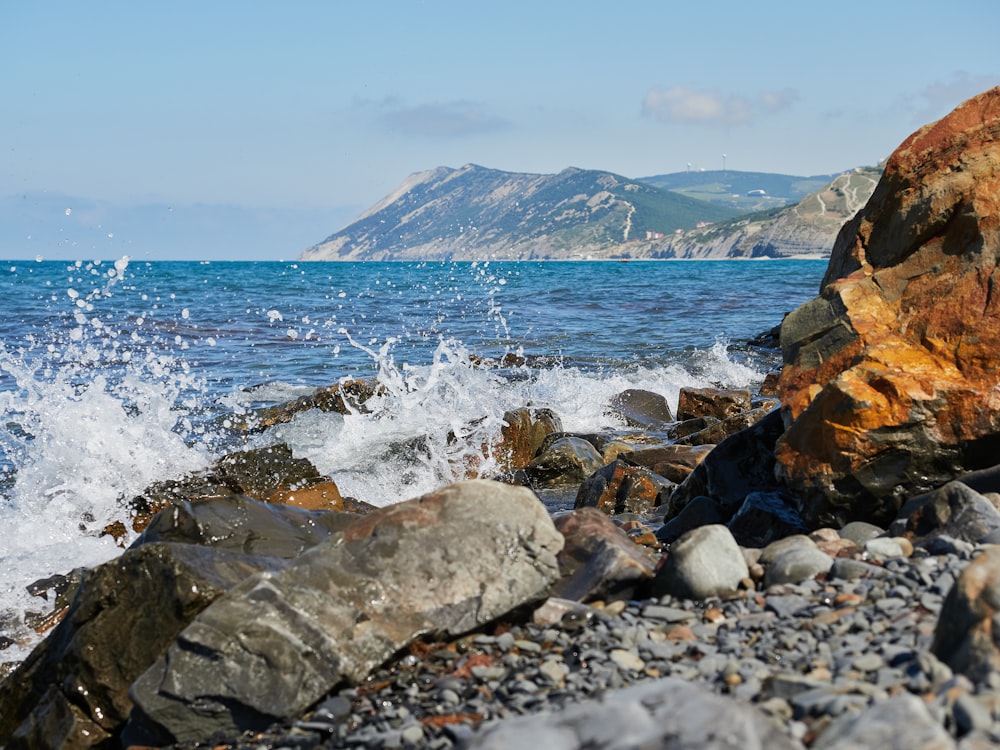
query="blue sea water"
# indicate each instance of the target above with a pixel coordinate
(117, 374)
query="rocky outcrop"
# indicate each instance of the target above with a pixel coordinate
(442, 564)
(890, 385)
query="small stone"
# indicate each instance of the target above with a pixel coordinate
(627, 660)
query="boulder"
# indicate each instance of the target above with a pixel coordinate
(717, 430)
(598, 561)
(889, 383)
(567, 460)
(900, 722)
(522, 435)
(343, 398)
(954, 510)
(643, 409)
(793, 559)
(622, 487)
(442, 564)
(966, 637)
(765, 517)
(720, 403)
(704, 562)
(238, 523)
(674, 462)
(740, 464)
(72, 690)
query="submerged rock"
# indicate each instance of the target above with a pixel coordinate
(889, 384)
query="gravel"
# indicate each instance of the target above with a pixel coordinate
(806, 654)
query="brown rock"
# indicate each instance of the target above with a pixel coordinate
(522, 435)
(643, 409)
(711, 402)
(889, 380)
(319, 496)
(622, 487)
(342, 398)
(598, 560)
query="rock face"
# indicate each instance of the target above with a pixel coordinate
(889, 385)
(443, 564)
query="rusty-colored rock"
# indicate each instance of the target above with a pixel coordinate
(711, 402)
(889, 385)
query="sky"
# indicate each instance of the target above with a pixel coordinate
(255, 129)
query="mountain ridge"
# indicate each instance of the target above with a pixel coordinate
(478, 213)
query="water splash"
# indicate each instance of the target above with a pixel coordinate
(92, 416)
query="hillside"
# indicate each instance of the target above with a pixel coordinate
(805, 229)
(747, 192)
(478, 213)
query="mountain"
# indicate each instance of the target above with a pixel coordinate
(746, 191)
(806, 229)
(479, 213)
(475, 213)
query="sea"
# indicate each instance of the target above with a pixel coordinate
(119, 373)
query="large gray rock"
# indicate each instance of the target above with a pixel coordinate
(567, 460)
(666, 713)
(444, 563)
(72, 690)
(704, 562)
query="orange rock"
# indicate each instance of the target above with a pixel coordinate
(889, 381)
(321, 496)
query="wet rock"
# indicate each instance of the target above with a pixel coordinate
(719, 430)
(598, 561)
(644, 409)
(765, 517)
(704, 562)
(125, 614)
(522, 436)
(622, 487)
(673, 462)
(888, 387)
(271, 473)
(740, 464)
(237, 523)
(668, 712)
(701, 511)
(443, 564)
(966, 637)
(720, 403)
(567, 460)
(343, 398)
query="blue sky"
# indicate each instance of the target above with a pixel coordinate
(309, 112)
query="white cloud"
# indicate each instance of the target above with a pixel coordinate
(450, 119)
(940, 97)
(692, 106)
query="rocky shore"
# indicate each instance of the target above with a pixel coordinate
(814, 565)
